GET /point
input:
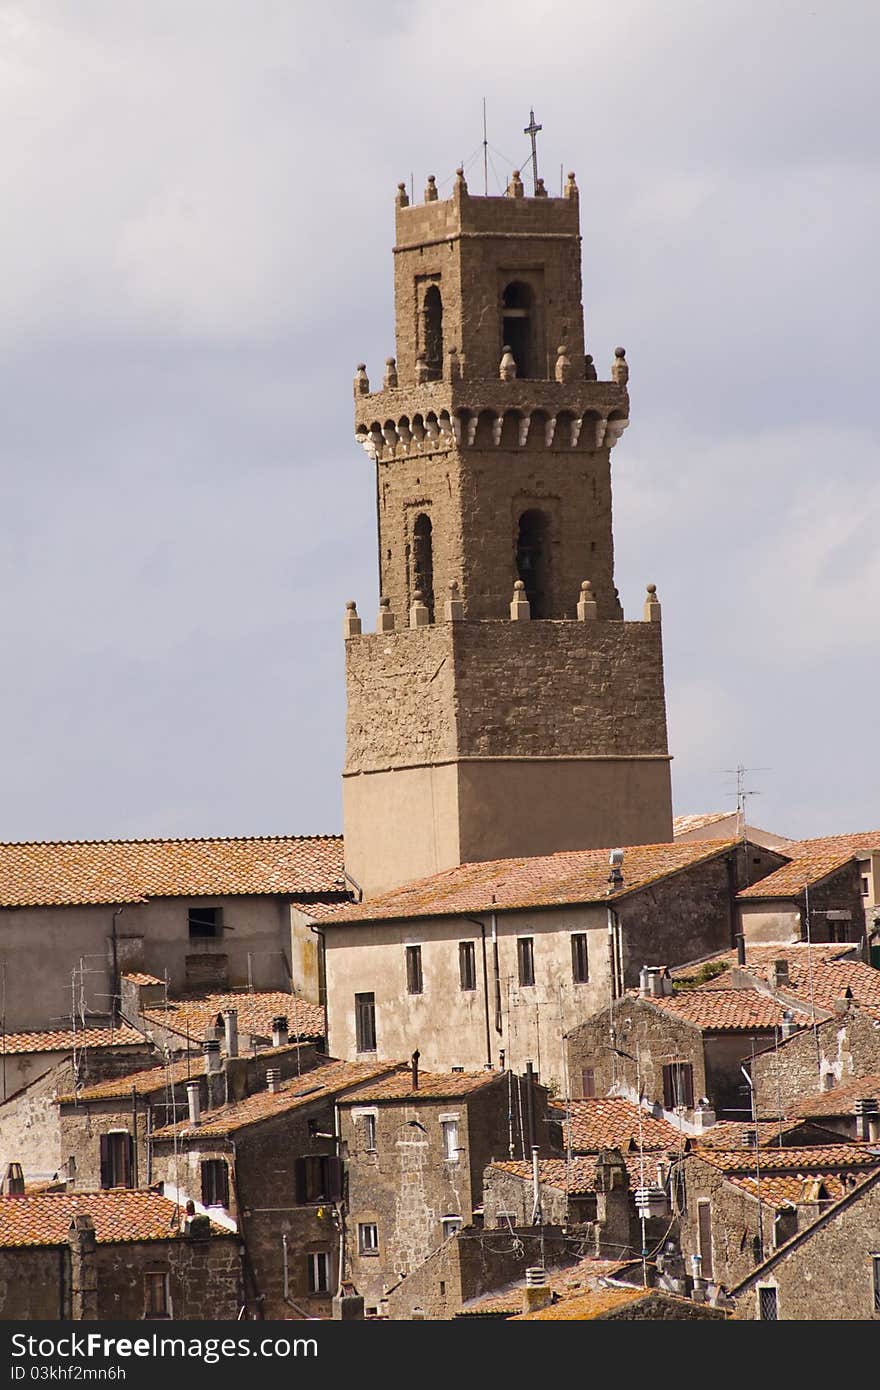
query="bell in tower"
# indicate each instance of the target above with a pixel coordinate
(503, 707)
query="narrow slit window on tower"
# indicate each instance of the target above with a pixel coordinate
(531, 560)
(423, 561)
(517, 327)
(432, 314)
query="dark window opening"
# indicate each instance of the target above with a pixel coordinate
(414, 980)
(678, 1085)
(525, 955)
(365, 1022)
(318, 1179)
(768, 1305)
(215, 1183)
(423, 561)
(156, 1301)
(580, 967)
(532, 560)
(319, 1271)
(432, 317)
(205, 921)
(588, 1083)
(704, 1236)
(467, 965)
(117, 1160)
(517, 330)
(875, 1262)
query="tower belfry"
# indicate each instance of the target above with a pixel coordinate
(503, 707)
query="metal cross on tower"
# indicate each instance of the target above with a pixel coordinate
(532, 130)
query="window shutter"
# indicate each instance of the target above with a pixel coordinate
(687, 1084)
(668, 1092)
(223, 1185)
(106, 1174)
(299, 1173)
(127, 1147)
(333, 1178)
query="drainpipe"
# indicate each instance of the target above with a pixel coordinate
(115, 995)
(497, 973)
(482, 926)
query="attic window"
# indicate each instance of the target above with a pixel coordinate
(205, 922)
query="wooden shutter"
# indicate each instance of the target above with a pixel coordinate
(299, 1174)
(333, 1178)
(106, 1169)
(704, 1224)
(668, 1091)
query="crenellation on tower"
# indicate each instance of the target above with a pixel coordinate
(508, 682)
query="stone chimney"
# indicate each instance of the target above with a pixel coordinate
(193, 1095)
(347, 1304)
(211, 1051)
(414, 1063)
(537, 1293)
(867, 1112)
(280, 1033)
(83, 1272)
(230, 1023)
(779, 978)
(273, 1079)
(13, 1183)
(612, 1202)
(704, 1114)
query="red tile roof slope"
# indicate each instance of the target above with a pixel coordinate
(612, 1121)
(432, 1086)
(682, 825)
(808, 867)
(812, 1158)
(548, 880)
(317, 1084)
(192, 1015)
(728, 1010)
(565, 1283)
(118, 1216)
(841, 1099)
(579, 1176)
(778, 1189)
(760, 960)
(57, 874)
(66, 1039)
(859, 840)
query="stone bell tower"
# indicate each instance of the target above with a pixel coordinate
(503, 707)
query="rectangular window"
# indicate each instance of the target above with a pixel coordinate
(525, 955)
(117, 1154)
(368, 1238)
(205, 921)
(864, 885)
(369, 1124)
(215, 1183)
(365, 1022)
(413, 969)
(467, 965)
(768, 1304)
(875, 1265)
(156, 1300)
(678, 1085)
(319, 1271)
(704, 1235)
(588, 1083)
(580, 966)
(318, 1179)
(449, 1132)
(451, 1225)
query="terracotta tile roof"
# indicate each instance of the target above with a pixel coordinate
(812, 1158)
(598, 1303)
(612, 1121)
(728, 1134)
(779, 1189)
(859, 840)
(809, 868)
(549, 880)
(823, 969)
(727, 1010)
(137, 977)
(683, 825)
(579, 1178)
(57, 874)
(432, 1086)
(65, 1040)
(154, 1080)
(841, 1099)
(118, 1215)
(318, 1084)
(760, 959)
(565, 1283)
(192, 1015)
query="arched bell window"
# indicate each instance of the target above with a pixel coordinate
(423, 561)
(532, 560)
(517, 326)
(432, 315)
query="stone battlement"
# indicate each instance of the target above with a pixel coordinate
(464, 214)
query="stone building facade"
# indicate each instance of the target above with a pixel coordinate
(415, 1157)
(491, 438)
(839, 1050)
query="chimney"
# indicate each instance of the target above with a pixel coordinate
(414, 1062)
(537, 1293)
(779, 974)
(788, 1024)
(644, 982)
(13, 1183)
(193, 1095)
(704, 1114)
(230, 1023)
(740, 948)
(280, 1035)
(841, 1005)
(273, 1079)
(211, 1050)
(83, 1274)
(698, 1293)
(866, 1110)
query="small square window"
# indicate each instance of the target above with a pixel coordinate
(319, 1271)
(414, 970)
(768, 1304)
(205, 921)
(467, 965)
(451, 1226)
(215, 1182)
(368, 1238)
(525, 955)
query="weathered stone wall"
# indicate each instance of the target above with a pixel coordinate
(735, 1218)
(471, 1264)
(826, 1275)
(848, 1046)
(639, 1027)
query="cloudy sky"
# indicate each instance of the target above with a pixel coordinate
(197, 219)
